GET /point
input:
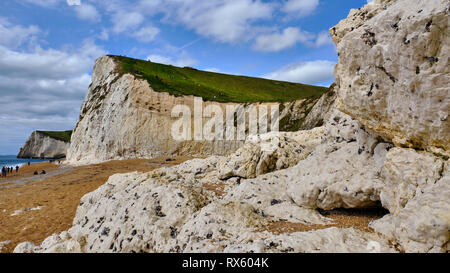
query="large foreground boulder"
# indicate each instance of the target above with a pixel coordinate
(393, 71)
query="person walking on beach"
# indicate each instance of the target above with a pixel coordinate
(17, 169)
(3, 172)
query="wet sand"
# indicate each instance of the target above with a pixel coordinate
(35, 207)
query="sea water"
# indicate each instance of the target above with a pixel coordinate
(13, 161)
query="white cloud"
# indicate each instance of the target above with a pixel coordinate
(43, 3)
(159, 59)
(183, 60)
(83, 11)
(41, 89)
(300, 8)
(13, 36)
(228, 21)
(279, 41)
(150, 5)
(104, 35)
(125, 21)
(49, 63)
(87, 12)
(323, 38)
(73, 2)
(288, 38)
(213, 69)
(314, 72)
(146, 34)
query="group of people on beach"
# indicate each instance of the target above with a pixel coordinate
(6, 170)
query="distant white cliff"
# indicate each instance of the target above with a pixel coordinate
(45, 145)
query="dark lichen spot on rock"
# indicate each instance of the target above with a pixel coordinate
(160, 214)
(173, 232)
(428, 26)
(406, 41)
(395, 26)
(392, 78)
(360, 150)
(260, 212)
(369, 38)
(274, 202)
(105, 231)
(273, 245)
(370, 93)
(432, 60)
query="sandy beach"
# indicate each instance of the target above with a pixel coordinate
(35, 207)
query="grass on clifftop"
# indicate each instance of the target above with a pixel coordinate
(58, 135)
(216, 86)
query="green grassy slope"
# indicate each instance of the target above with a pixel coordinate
(215, 86)
(58, 135)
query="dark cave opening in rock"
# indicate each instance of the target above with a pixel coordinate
(358, 218)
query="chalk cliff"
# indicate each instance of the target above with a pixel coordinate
(123, 117)
(372, 151)
(45, 146)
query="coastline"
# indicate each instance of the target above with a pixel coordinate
(35, 207)
(13, 161)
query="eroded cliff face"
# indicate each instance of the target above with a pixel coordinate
(233, 203)
(42, 146)
(123, 117)
(393, 71)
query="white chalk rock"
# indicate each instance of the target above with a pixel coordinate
(393, 72)
(269, 152)
(423, 225)
(343, 172)
(406, 175)
(331, 240)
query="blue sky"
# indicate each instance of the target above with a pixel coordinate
(48, 48)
